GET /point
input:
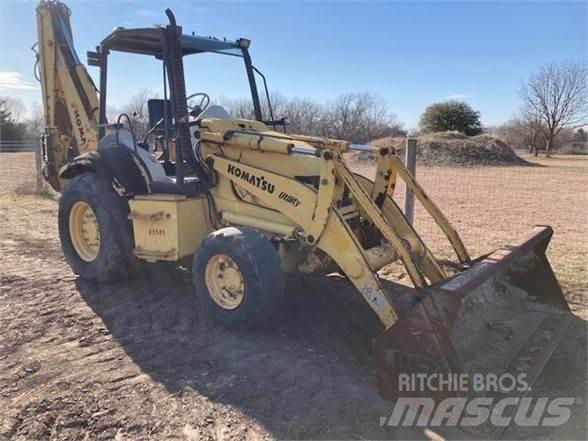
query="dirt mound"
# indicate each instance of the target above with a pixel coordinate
(453, 148)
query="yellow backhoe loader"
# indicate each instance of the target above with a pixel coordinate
(250, 201)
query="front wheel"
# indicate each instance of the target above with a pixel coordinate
(96, 235)
(237, 272)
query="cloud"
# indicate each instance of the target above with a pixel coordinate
(15, 81)
(456, 97)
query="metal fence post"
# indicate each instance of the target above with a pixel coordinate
(410, 163)
(38, 167)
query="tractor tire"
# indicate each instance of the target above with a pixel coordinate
(95, 232)
(237, 273)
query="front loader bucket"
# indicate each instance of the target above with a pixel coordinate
(504, 315)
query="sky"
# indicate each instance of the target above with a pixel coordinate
(411, 53)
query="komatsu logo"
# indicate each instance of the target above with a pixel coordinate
(80, 126)
(258, 181)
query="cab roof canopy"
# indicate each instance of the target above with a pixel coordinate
(148, 41)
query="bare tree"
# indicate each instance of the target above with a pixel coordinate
(304, 116)
(35, 122)
(17, 108)
(136, 108)
(359, 117)
(531, 127)
(241, 108)
(557, 95)
(522, 131)
(112, 113)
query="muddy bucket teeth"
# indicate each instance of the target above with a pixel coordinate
(504, 315)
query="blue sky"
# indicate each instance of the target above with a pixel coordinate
(411, 53)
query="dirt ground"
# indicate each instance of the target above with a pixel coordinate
(140, 360)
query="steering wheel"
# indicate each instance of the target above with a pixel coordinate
(201, 106)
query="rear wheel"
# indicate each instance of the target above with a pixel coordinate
(237, 272)
(96, 235)
(84, 231)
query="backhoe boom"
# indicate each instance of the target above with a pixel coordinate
(70, 101)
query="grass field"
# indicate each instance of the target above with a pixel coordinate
(491, 206)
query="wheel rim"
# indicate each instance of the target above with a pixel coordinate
(84, 231)
(224, 281)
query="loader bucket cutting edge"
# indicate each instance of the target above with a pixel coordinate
(505, 314)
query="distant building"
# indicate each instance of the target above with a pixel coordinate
(578, 143)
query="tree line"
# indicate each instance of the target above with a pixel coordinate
(14, 125)
(356, 117)
(553, 109)
(12, 128)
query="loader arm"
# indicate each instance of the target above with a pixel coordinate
(321, 223)
(70, 100)
(302, 205)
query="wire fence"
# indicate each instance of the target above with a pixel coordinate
(20, 167)
(489, 206)
(18, 146)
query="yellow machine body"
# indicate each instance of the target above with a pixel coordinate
(168, 227)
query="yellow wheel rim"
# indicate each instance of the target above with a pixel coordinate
(224, 281)
(84, 231)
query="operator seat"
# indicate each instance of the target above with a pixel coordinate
(137, 170)
(145, 172)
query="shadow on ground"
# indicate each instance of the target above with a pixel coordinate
(309, 373)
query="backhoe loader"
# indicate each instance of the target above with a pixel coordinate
(250, 202)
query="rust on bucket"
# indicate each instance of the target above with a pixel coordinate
(505, 314)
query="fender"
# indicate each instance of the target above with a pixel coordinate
(117, 164)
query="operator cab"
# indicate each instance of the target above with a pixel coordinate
(169, 152)
(158, 140)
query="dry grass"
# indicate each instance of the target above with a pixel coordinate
(18, 175)
(491, 206)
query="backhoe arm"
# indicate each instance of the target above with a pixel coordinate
(69, 96)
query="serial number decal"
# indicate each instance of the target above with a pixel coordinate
(259, 181)
(290, 199)
(156, 232)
